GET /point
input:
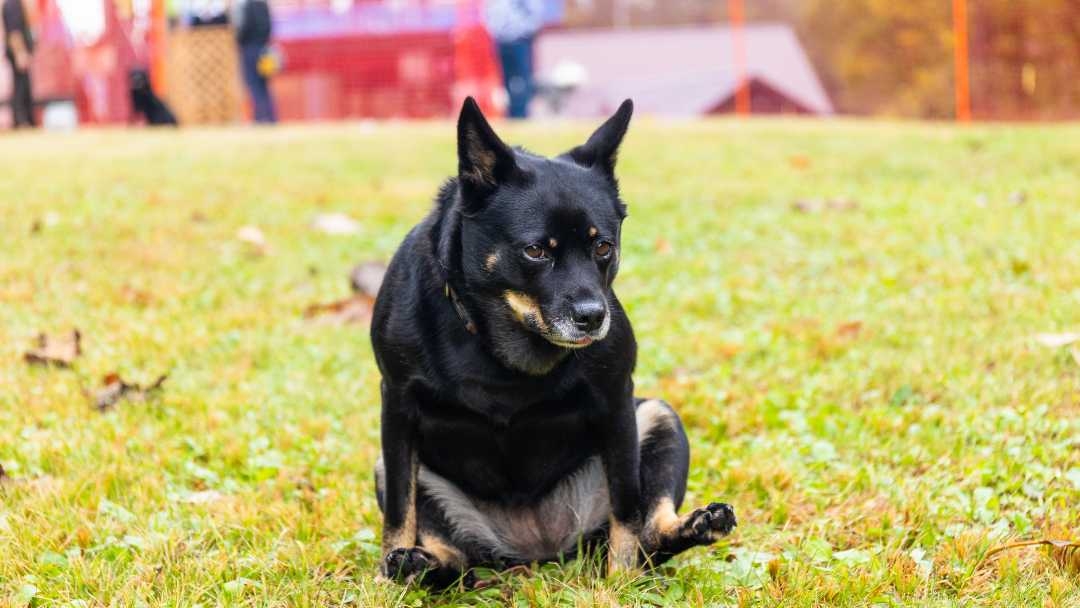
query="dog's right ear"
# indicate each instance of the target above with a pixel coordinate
(484, 161)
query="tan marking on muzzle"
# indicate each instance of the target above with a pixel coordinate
(524, 307)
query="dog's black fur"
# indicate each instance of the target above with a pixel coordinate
(145, 102)
(510, 430)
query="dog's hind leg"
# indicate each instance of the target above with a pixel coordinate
(665, 464)
(434, 561)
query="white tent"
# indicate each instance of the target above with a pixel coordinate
(678, 71)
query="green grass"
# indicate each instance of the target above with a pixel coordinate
(861, 384)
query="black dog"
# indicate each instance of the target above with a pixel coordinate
(510, 430)
(144, 101)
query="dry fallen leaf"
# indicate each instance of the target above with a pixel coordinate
(49, 220)
(254, 237)
(1057, 340)
(849, 330)
(1065, 553)
(53, 351)
(799, 161)
(367, 277)
(809, 205)
(335, 223)
(355, 309)
(43, 483)
(773, 568)
(202, 497)
(842, 204)
(662, 246)
(135, 296)
(116, 389)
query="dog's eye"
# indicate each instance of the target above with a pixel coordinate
(603, 249)
(535, 252)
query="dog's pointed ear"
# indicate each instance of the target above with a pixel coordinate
(602, 149)
(484, 161)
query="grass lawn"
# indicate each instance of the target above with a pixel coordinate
(843, 313)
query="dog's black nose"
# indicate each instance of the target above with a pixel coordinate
(588, 315)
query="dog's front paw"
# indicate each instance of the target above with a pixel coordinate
(405, 564)
(707, 524)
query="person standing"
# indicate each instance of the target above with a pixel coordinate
(514, 25)
(253, 31)
(19, 49)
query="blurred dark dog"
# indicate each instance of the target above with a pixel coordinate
(146, 103)
(510, 429)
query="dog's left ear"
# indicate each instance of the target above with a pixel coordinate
(602, 149)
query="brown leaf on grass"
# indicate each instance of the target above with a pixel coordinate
(55, 351)
(49, 220)
(255, 239)
(813, 205)
(42, 484)
(354, 309)
(728, 350)
(773, 568)
(849, 330)
(1065, 553)
(842, 204)
(1058, 340)
(799, 161)
(115, 389)
(134, 296)
(662, 246)
(335, 223)
(367, 277)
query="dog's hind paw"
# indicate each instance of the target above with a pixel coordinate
(405, 564)
(707, 524)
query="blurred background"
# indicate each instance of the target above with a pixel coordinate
(108, 62)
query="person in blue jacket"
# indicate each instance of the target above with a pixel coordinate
(514, 25)
(253, 30)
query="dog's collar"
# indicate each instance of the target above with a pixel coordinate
(460, 308)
